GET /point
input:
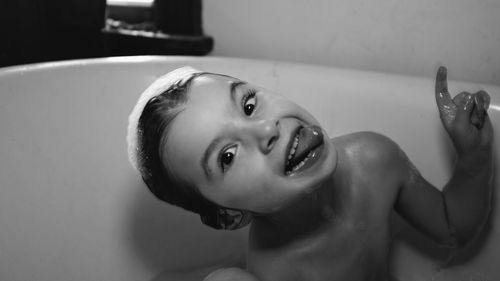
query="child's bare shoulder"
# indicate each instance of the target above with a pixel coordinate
(230, 274)
(368, 146)
(374, 162)
(370, 151)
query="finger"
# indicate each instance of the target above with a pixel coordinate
(459, 99)
(442, 94)
(481, 104)
(484, 97)
(465, 106)
(460, 102)
(445, 104)
(487, 131)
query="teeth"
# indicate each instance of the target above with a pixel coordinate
(298, 166)
(294, 147)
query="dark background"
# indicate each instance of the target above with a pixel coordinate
(48, 30)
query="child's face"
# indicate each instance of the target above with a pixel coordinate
(232, 141)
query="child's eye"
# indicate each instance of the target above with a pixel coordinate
(249, 102)
(226, 158)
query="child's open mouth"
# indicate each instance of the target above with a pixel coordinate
(302, 149)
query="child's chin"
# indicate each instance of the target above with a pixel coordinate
(321, 172)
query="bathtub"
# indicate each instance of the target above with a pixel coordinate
(72, 208)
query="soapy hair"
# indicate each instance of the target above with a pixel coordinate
(153, 126)
(147, 134)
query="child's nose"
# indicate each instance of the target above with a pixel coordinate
(266, 133)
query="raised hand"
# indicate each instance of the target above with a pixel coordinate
(464, 117)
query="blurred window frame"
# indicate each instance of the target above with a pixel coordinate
(130, 11)
(134, 3)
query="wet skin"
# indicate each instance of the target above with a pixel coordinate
(330, 220)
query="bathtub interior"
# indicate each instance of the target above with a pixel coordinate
(72, 208)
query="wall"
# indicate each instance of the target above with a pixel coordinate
(398, 36)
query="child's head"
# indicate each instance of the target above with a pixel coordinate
(212, 143)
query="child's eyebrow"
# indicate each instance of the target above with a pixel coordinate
(232, 89)
(213, 144)
(204, 160)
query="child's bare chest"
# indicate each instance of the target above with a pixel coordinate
(353, 246)
(353, 250)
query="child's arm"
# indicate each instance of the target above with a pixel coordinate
(458, 213)
(468, 194)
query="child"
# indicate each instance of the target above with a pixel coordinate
(319, 208)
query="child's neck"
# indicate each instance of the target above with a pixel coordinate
(300, 220)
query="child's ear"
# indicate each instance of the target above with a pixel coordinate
(227, 219)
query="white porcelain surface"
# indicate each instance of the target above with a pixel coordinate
(72, 208)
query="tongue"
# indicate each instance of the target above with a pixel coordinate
(309, 138)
